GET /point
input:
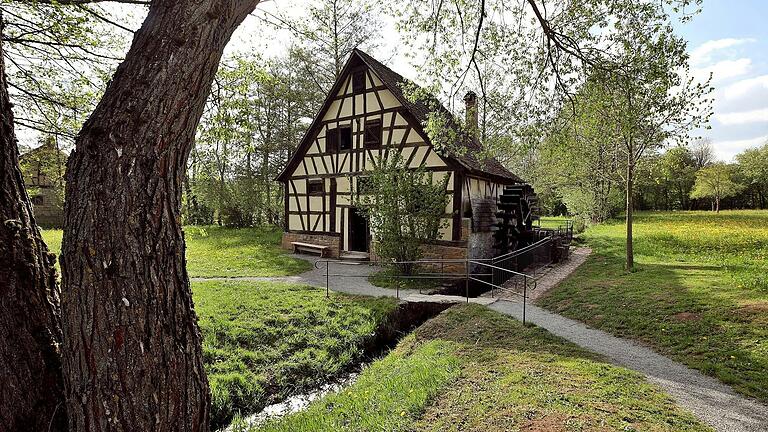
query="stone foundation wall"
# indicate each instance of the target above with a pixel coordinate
(437, 252)
(443, 252)
(333, 242)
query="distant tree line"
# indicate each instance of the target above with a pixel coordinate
(682, 177)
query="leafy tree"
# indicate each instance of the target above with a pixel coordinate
(404, 207)
(254, 119)
(676, 170)
(59, 58)
(753, 166)
(530, 61)
(716, 182)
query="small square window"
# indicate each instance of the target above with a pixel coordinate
(38, 200)
(345, 137)
(373, 133)
(315, 187)
(358, 82)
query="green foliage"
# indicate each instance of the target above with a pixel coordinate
(256, 116)
(58, 58)
(715, 182)
(263, 341)
(387, 396)
(700, 294)
(474, 367)
(405, 208)
(671, 177)
(753, 167)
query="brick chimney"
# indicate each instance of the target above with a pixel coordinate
(470, 102)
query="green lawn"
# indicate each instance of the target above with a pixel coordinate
(473, 369)
(214, 251)
(700, 294)
(264, 341)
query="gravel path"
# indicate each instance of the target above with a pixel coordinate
(346, 277)
(710, 400)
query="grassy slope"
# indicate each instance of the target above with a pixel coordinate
(700, 295)
(224, 252)
(265, 341)
(473, 369)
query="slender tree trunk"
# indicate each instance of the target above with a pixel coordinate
(31, 383)
(132, 349)
(630, 264)
(717, 204)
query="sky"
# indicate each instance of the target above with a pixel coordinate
(730, 39)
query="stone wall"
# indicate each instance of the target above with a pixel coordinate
(445, 252)
(333, 242)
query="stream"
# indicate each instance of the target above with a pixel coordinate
(405, 318)
(293, 404)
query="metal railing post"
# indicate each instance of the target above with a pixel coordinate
(525, 297)
(327, 280)
(466, 283)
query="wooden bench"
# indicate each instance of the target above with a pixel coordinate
(309, 247)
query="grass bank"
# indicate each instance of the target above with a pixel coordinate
(700, 294)
(263, 341)
(214, 251)
(391, 278)
(473, 369)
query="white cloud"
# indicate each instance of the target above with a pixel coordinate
(744, 117)
(744, 87)
(703, 53)
(727, 150)
(723, 70)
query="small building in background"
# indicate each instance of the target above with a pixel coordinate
(43, 169)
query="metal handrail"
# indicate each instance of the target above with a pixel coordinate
(467, 276)
(522, 250)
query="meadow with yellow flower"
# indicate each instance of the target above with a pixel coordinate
(699, 295)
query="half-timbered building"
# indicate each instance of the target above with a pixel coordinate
(366, 115)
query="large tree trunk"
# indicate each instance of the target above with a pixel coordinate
(630, 264)
(132, 350)
(31, 384)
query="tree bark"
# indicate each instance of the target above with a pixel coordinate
(31, 383)
(630, 264)
(132, 349)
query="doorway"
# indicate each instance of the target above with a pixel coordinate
(358, 231)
